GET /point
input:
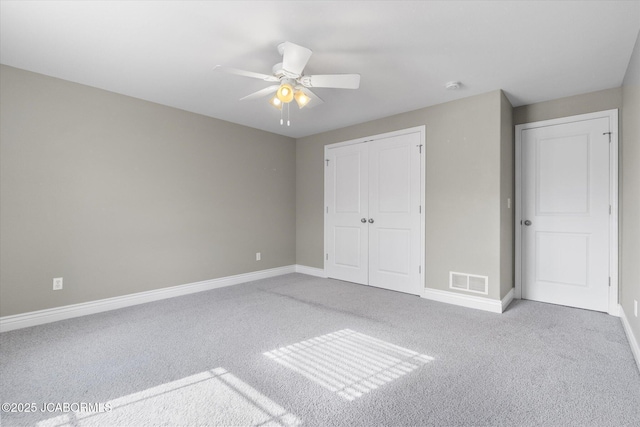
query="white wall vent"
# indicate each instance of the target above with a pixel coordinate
(469, 282)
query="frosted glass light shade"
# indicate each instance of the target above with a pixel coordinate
(285, 93)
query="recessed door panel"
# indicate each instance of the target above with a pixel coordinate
(556, 251)
(394, 250)
(347, 247)
(348, 181)
(394, 179)
(562, 186)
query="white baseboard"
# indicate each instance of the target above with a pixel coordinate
(24, 320)
(633, 342)
(469, 301)
(615, 311)
(507, 299)
(311, 271)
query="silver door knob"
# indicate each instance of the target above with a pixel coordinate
(527, 223)
(363, 220)
(370, 220)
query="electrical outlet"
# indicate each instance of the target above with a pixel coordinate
(635, 307)
(508, 202)
(258, 256)
(57, 283)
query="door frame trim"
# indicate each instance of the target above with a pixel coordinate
(422, 130)
(612, 115)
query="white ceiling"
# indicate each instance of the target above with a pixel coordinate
(405, 51)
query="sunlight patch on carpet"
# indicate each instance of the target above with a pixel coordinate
(348, 363)
(210, 397)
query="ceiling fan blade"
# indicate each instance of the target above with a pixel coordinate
(315, 99)
(294, 58)
(262, 92)
(338, 81)
(236, 71)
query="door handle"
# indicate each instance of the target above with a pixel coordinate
(527, 223)
(370, 220)
(363, 220)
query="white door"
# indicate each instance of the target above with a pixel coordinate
(565, 214)
(347, 198)
(373, 216)
(394, 209)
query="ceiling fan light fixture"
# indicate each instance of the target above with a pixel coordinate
(290, 82)
(276, 102)
(285, 93)
(301, 98)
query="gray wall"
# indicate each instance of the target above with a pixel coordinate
(608, 99)
(463, 188)
(507, 192)
(630, 191)
(119, 195)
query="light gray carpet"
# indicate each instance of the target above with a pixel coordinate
(298, 350)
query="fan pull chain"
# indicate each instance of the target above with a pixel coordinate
(288, 115)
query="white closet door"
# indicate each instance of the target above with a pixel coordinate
(566, 214)
(347, 201)
(394, 212)
(373, 218)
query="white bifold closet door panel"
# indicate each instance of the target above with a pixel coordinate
(347, 194)
(373, 213)
(394, 207)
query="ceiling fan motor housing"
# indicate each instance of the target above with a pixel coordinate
(277, 70)
(280, 72)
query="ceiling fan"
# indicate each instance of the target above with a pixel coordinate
(291, 83)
